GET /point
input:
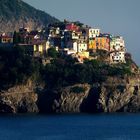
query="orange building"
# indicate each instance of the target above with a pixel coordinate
(100, 43)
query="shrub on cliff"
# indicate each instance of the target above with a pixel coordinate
(64, 73)
(78, 89)
(119, 70)
(16, 67)
(52, 52)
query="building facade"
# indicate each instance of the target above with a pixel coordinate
(99, 43)
(117, 44)
(93, 33)
(117, 57)
(6, 39)
(117, 50)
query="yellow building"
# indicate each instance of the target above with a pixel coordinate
(92, 44)
(38, 48)
(84, 54)
(41, 48)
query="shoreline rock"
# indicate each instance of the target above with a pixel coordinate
(115, 95)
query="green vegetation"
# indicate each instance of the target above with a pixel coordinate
(17, 67)
(77, 89)
(119, 70)
(52, 52)
(63, 73)
(16, 38)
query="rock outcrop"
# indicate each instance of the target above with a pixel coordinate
(119, 95)
(19, 99)
(62, 100)
(115, 95)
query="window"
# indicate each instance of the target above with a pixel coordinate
(97, 44)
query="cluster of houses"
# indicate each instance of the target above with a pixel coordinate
(70, 38)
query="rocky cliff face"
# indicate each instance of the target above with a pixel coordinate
(119, 95)
(62, 100)
(16, 13)
(14, 25)
(19, 99)
(115, 95)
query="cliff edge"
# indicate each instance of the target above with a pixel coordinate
(115, 95)
(19, 99)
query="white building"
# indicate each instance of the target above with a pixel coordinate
(117, 50)
(94, 33)
(117, 44)
(76, 46)
(75, 36)
(82, 47)
(54, 32)
(57, 31)
(117, 57)
(69, 52)
(47, 46)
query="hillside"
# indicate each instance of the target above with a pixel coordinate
(63, 85)
(16, 13)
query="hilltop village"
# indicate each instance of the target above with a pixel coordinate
(66, 67)
(69, 38)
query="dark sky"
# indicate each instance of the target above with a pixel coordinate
(118, 17)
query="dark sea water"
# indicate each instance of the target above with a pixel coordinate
(70, 127)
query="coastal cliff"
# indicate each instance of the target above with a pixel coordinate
(115, 95)
(63, 85)
(19, 99)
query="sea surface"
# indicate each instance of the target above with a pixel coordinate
(70, 127)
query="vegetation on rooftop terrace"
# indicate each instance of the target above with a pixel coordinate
(17, 68)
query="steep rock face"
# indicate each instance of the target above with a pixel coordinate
(113, 100)
(70, 101)
(14, 25)
(16, 13)
(19, 99)
(62, 100)
(116, 95)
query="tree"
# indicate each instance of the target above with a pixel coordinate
(16, 67)
(52, 52)
(16, 38)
